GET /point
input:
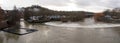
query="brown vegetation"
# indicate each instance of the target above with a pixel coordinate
(98, 16)
(109, 16)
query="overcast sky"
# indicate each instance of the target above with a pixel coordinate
(66, 5)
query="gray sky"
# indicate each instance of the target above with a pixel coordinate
(66, 5)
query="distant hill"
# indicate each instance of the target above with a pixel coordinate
(45, 11)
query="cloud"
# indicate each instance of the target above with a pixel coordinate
(113, 3)
(22, 3)
(88, 5)
(101, 3)
(54, 2)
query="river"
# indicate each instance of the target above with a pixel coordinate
(88, 31)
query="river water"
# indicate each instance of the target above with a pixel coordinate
(88, 31)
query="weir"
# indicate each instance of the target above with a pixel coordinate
(87, 23)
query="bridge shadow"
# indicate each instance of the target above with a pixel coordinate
(16, 29)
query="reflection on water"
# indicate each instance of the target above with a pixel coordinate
(62, 34)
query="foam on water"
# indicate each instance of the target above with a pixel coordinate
(88, 23)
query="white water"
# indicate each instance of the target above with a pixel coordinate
(88, 23)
